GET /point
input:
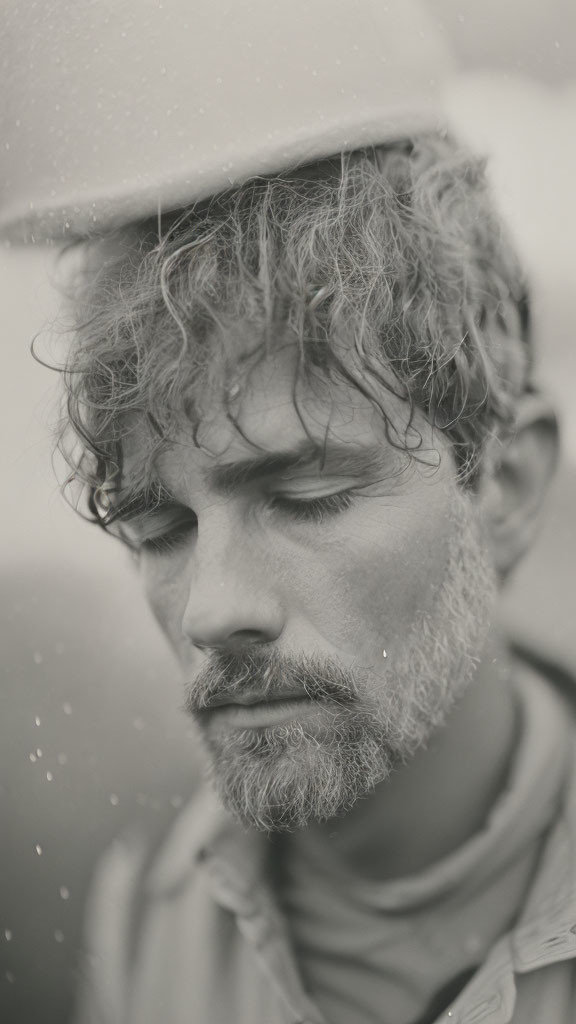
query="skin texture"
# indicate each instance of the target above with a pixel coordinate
(251, 574)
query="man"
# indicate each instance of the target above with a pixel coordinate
(307, 408)
(306, 404)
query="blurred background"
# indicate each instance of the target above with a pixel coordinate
(91, 733)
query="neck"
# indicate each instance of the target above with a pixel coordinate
(431, 806)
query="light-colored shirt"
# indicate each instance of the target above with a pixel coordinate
(372, 952)
(202, 936)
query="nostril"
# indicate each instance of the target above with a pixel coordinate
(243, 637)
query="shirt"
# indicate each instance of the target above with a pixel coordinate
(200, 936)
(397, 951)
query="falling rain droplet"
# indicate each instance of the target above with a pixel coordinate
(58, 935)
(114, 800)
(38, 849)
(67, 708)
(384, 655)
(37, 720)
(38, 752)
(64, 892)
(37, 658)
(62, 759)
(33, 758)
(8, 935)
(10, 977)
(49, 776)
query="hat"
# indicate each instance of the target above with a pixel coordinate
(115, 109)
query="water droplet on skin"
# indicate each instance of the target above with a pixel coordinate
(37, 720)
(38, 849)
(58, 935)
(67, 708)
(114, 799)
(8, 935)
(64, 892)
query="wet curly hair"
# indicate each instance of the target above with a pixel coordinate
(388, 266)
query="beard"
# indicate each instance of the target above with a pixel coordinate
(279, 778)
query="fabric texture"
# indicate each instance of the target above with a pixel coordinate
(202, 936)
(133, 107)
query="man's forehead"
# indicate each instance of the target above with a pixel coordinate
(276, 422)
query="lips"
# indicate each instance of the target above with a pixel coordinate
(248, 699)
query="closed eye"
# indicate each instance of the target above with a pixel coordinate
(160, 532)
(311, 509)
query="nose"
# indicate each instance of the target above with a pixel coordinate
(231, 601)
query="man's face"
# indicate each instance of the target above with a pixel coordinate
(327, 603)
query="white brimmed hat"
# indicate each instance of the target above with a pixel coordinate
(115, 109)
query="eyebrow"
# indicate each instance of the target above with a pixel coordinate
(140, 501)
(333, 457)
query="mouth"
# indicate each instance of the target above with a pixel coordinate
(258, 712)
(250, 699)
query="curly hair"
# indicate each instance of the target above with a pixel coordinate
(389, 267)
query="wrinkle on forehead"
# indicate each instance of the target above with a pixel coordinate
(269, 415)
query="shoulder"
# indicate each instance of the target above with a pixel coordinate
(143, 858)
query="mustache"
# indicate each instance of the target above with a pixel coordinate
(265, 674)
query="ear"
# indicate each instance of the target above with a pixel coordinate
(516, 484)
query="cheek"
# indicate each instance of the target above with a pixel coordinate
(364, 591)
(166, 595)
